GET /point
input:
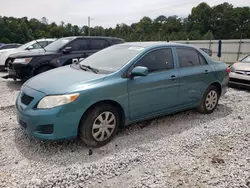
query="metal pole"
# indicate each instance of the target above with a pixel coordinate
(239, 49)
(89, 25)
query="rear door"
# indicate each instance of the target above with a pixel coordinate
(195, 75)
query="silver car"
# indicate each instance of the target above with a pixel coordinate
(240, 73)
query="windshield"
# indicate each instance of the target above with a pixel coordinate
(55, 46)
(112, 58)
(246, 59)
(23, 47)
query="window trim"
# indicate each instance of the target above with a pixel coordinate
(126, 74)
(189, 48)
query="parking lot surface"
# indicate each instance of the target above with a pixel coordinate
(181, 150)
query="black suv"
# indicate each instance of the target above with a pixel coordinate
(63, 51)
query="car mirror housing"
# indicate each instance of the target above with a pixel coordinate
(139, 71)
(30, 48)
(67, 50)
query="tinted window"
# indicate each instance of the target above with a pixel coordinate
(117, 41)
(188, 57)
(58, 44)
(157, 60)
(202, 60)
(98, 44)
(78, 45)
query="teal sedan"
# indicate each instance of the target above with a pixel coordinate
(118, 86)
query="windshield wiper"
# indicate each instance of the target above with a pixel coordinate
(89, 67)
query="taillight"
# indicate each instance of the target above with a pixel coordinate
(228, 70)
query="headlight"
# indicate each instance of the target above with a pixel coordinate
(232, 69)
(56, 100)
(22, 60)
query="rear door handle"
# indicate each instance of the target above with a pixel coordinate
(206, 71)
(173, 77)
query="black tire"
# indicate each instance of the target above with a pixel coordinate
(88, 120)
(203, 108)
(42, 69)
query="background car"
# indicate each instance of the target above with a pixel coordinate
(208, 51)
(62, 52)
(240, 73)
(33, 45)
(9, 46)
(119, 85)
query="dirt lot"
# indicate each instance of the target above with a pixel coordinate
(182, 150)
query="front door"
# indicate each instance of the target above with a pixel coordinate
(158, 91)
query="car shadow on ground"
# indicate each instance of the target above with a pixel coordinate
(133, 136)
(14, 85)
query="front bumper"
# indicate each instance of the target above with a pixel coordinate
(50, 124)
(239, 80)
(2, 67)
(19, 71)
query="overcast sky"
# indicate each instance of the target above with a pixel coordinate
(106, 13)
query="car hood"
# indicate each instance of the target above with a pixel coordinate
(64, 80)
(32, 53)
(242, 66)
(8, 50)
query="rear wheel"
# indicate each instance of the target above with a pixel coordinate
(99, 125)
(209, 101)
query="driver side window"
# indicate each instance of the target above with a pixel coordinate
(157, 60)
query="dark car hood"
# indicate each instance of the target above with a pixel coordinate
(64, 80)
(32, 53)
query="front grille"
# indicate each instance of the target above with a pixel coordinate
(239, 81)
(243, 72)
(23, 124)
(25, 99)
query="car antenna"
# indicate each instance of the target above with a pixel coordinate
(40, 45)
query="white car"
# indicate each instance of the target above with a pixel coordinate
(33, 45)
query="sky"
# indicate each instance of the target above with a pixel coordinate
(106, 13)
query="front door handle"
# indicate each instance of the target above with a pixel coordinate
(206, 71)
(173, 77)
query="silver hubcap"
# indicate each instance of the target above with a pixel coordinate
(103, 126)
(211, 100)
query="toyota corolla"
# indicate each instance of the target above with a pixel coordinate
(118, 86)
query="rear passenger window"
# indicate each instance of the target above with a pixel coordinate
(98, 44)
(189, 57)
(157, 60)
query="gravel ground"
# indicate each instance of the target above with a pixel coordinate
(182, 150)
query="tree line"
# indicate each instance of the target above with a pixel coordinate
(223, 21)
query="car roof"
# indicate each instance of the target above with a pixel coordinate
(154, 44)
(98, 37)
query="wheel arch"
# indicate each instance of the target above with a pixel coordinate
(218, 86)
(114, 103)
(41, 66)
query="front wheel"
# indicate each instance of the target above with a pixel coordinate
(99, 125)
(209, 101)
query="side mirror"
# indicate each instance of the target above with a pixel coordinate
(30, 48)
(139, 71)
(67, 50)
